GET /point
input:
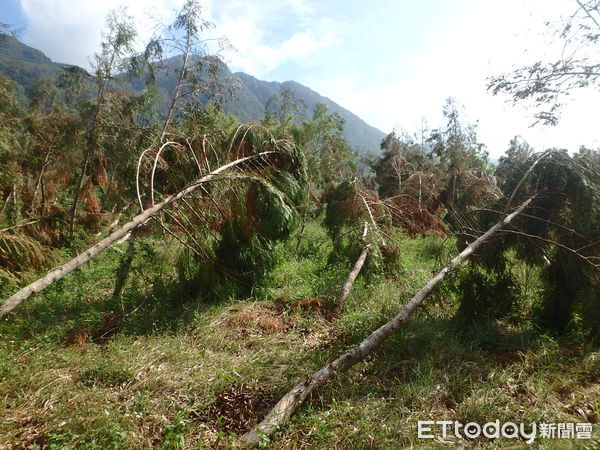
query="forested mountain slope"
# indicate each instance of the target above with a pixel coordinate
(26, 66)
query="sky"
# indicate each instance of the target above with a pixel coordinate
(393, 63)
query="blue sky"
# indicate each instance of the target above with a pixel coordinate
(391, 62)
(12, 13)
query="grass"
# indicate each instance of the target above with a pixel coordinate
(166, 369)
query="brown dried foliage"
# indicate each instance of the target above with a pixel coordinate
(310, 303)
(100, 177)
(260, 317)
(407, 214)
(90, 199)
(237, 408)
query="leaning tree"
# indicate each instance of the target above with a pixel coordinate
(559, 234)
(227, 206)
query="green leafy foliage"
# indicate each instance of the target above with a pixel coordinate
(348, 210)
(485, 296)
(558, 232)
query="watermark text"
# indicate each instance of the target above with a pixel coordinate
(431, 429)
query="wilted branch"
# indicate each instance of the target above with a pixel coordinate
(587, 259)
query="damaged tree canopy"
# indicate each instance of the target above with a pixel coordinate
(552, 187)
(225, 215)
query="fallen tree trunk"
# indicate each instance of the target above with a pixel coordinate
(16, 299)
(288, 404)
(356, 269)
(354, 273)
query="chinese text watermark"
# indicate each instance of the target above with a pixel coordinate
(431, 429)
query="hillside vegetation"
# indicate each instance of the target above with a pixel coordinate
(181, 370)
(249, 95)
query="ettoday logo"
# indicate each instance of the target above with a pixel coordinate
(430, 429)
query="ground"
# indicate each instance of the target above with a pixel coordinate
(161, 368)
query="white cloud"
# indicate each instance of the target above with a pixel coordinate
(259, 59)
(258, 50)
(349, 61)
(461, 57)
(70, 31)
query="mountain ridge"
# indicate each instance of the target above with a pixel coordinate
(26, 65)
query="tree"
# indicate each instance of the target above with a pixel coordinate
(460, 158)
(72, 80)
(577, 66)
(116, 52)
(187, 53)
(284, 108)
(559, 234)
(10, 156)
(513, 162)
(402, 158)
(329, 157)
(440, 177)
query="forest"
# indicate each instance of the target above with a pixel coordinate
(172, 277)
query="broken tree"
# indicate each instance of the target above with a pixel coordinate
(16, 299)
(288, 404)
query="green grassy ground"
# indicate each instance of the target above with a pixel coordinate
(162, 368)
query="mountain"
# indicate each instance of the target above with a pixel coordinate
(357, 132)
(26, 65)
